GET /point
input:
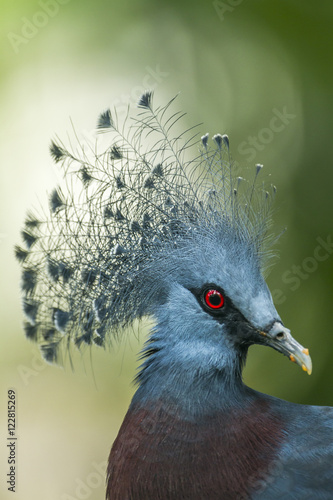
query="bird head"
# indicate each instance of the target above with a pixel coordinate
(154, 226)
(212, 304)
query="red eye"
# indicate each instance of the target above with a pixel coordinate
(214, 299)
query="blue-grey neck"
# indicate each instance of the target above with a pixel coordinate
(175, 376)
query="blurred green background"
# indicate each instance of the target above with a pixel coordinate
(259, 71)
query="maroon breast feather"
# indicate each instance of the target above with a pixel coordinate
(160, 456)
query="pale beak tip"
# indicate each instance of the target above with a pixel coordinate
(307, 365)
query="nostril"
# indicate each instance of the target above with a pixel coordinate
(278, 332)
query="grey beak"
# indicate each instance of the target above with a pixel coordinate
(279, 338)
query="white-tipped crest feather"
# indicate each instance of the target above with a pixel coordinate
(104, 255)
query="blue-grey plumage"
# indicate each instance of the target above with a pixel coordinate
(154, 226)
(303, 465)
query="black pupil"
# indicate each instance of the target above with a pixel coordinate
(215, 299)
